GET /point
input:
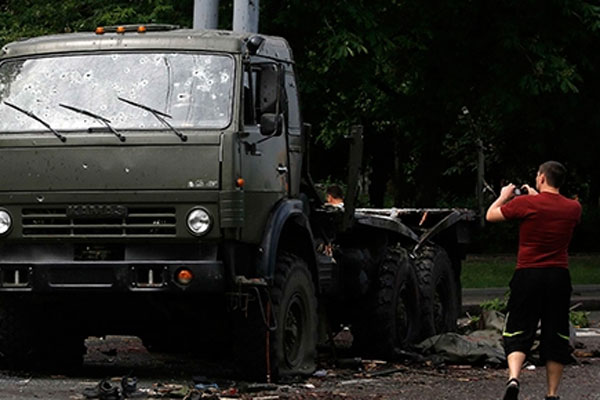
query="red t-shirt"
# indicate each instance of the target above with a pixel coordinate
(547, 223)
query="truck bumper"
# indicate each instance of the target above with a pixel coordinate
(112, 276)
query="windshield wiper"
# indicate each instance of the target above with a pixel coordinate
(38, 119)
(100, 118)
(159, 115)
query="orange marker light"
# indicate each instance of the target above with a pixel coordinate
(141, 29)
(240, 182)
(100, 30)
(121, 29)
(184, 276)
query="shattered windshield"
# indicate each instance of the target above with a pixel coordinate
(195, 90)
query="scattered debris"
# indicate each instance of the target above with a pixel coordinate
(114, 389)
(205, 387)
(344, 338)
(481, 347)
(460, 366)
(386, 372)
(491, 319)
(258, 387)
(24, 381)
(350, 363)
(320, 373)
(356, 381)
(587, 354)
(588, 332)
(171, 389)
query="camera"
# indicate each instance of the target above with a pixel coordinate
(520, 190)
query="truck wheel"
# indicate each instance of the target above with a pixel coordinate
(295, 310)
(389, 321)
(437, 286)
(16, 339)
(293, 343)
(61, 350)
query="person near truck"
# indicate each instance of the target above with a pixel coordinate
(334, 196)
(541, 284)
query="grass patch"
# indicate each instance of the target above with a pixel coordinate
(496, 271)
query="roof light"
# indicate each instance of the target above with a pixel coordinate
(141, 29)
(254, 43)
(100, 30)
(121, 29)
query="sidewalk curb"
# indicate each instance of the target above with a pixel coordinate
(587, 296)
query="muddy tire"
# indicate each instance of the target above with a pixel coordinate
(294, 314)
(438, 289)
(390, 322)
(16, 339)
(57, 337)
(61, 352)
(295, 308)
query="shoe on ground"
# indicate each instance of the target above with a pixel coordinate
(552, 397)
(103, 391)
(511, 392)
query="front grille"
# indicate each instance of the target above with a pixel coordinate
(139, 222)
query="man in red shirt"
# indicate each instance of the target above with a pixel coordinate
(541, 285)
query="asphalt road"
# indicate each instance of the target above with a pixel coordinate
(171, 377)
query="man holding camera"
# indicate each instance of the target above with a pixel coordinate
(541, 285)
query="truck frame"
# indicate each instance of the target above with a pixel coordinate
(155, 182)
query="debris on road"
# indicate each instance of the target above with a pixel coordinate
(483, 346)
(114, 389)
(586, 354)
(588, 332)
(459, 349)
(320, 373)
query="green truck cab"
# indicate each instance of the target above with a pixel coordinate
(152, 182)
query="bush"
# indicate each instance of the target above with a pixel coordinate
(579, 319)
(496, 304)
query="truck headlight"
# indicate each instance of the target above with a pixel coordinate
(5, 222)
(199, 221)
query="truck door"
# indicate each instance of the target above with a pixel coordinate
(293, 119)
(264, 158)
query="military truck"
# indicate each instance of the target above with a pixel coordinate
(154, 181)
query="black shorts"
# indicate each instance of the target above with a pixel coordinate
(539, 294)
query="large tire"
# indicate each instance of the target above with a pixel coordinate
(293, 343)
(58, 339)
(61, 351)
(390, 320)
(438, 289)
(33, 337)
(16, 338)
(295, 309)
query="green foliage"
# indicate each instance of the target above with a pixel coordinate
(579, 319)
(496, 271)
(496, 304)
(28, 18)
(405, 69)
(526, 69)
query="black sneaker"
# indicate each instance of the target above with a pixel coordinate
(552, 397)
(103, 391)
(129, 388)
(512, 390)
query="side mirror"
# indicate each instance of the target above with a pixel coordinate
(271, 124)
(270, 81)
